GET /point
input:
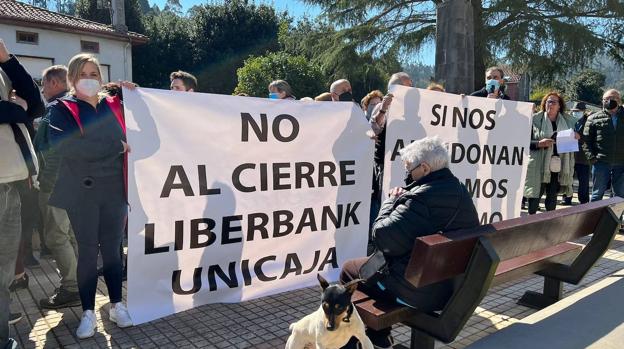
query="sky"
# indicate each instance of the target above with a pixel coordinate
(296, 8)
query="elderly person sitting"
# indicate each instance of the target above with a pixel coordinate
(432, 200)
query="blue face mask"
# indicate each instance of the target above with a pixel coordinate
(492, 85)
(274, 95)
(577, 114)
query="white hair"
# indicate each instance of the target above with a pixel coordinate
(397, 79)
(616, 92)
(430, 150)
(337, 83)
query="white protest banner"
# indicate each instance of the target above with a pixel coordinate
(234, 198)
(488, 141)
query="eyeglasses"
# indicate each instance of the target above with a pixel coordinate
(551, 102)
(413, 168)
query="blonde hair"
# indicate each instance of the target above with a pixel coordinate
(76, 64)
(323, 97)
(436, 87)
(5, 86)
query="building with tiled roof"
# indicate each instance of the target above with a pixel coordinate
(40, 38)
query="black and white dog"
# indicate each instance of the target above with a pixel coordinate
(333, 323)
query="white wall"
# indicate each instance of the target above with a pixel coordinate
(62, 46)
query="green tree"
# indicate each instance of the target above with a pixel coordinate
(323, 45)
(421, 74)
(545, 38)
(587, 86)
(304, 77)
(169, 49)
(224, 35)
(88, 9)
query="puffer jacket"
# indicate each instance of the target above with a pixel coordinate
(603, 142)
(428, 206)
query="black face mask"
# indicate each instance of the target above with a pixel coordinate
(610, 104)
(345, 97)
(408, 178)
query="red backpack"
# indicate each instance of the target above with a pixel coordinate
(114, 103)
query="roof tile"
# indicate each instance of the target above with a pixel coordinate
(18, 11)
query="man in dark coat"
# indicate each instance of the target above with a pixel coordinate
(433, 200)
(604, 145)
(494, 84)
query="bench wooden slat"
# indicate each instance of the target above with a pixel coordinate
(514, 268)
(429, 262)
(359, 296)
(379, 314)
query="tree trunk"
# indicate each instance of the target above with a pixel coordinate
(455, 43)
(480, 51)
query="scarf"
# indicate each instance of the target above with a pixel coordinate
(567, 159)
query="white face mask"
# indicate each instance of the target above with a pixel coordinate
(88, 87)
(577, 114)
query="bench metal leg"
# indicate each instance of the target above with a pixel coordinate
(553, 292)
(421, 340)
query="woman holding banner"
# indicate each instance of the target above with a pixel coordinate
(548, 171)
(88, 129)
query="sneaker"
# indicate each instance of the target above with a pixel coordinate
(19, 284)
(119, 315)
(61, 299)
(31, 262)
(88, 324)
(14, 318)
(11, 344)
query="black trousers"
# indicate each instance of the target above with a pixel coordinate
(551, 189)
(351, 271)
(99, 224)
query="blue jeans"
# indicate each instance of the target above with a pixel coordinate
(603, 173)
(10, 232)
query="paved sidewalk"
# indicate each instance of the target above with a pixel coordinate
(261, 323)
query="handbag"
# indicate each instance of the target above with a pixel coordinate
(555, 164)
(376, 268)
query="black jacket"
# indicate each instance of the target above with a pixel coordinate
(49, 159)
(26, 88)
(437, 202)
(96, 154)
(603, 142)
(426, 208)
(484, 93)
(580, 157)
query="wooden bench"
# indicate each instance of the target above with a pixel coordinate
(493, 254)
